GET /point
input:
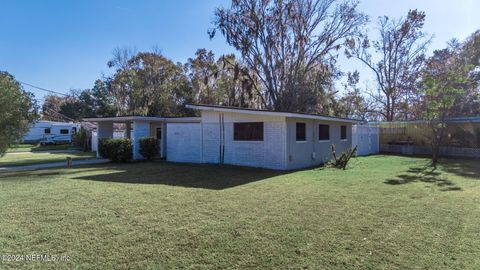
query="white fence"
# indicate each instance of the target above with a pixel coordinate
(367, 139)
(427, 150)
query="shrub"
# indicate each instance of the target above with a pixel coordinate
(149, 147)
(82, 139)
(117, 150)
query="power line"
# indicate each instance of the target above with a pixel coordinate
(50, 91)
(43, 89)
(62, 115)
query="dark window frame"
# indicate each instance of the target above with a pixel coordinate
(47, 129)
(343, 133)
(64, 131)
(300, 132)
(321, 136)
(158, 132)
(248, 131)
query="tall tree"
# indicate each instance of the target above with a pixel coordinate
(51, 108)
(79, 104)
(18, 109)
(203, 73)
(148, 83)
(222, 81)
(468, 103)
(400, 50)
(99, 99)
(352, 104)
(291, 45)
(445, 78)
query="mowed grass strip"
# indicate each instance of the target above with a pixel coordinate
(383, 212)
(29, 158)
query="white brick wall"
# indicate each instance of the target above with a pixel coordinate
(300, 154)
(211, 142)
(184, 142)
(270, 153)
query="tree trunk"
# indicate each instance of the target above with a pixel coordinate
(435, 151)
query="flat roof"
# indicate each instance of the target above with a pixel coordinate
(144, 118)
(217, 108)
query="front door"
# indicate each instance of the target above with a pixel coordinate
(158, 135)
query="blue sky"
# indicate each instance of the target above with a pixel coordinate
(62, 45)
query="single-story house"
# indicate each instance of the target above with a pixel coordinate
(239, 136)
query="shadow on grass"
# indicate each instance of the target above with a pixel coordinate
(214, 177)
(424, 174)
(465, 168)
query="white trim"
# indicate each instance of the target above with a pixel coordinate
(269, 113)
(305, 141)
(145, 118)
(324, 141)
(343, 140)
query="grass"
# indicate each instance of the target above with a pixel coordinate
(384, 212)
(29, 158)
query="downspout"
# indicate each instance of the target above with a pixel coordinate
(221, 125)
(220, 138)
(223, 138)
(287, 144)
(314, 153)
(201, 142)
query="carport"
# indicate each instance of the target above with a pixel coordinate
(137, 127)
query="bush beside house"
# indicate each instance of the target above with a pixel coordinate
(149, 147)
(117, 150)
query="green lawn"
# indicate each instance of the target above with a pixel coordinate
(29, 158)
(384, 212)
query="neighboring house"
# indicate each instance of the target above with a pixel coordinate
(49, 132)
(238, 136)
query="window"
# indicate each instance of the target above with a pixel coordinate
(248, 131)
(74, 130)
(343, 132)
(301, 131)
(159, 133)
(63, 131)
(47, 131)
(323, 132)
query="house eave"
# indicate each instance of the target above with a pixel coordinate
(121, 119)
(270, 113)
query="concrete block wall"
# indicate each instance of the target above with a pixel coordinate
(184, 142)
(269, 153)
(313, 152)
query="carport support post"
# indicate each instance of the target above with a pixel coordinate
(105, 130)
(141, 129)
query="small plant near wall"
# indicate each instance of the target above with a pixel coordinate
(149, 147)
(341, 162)
(117, 150)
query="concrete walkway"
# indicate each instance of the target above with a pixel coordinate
(52, 165)
(45, 151)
